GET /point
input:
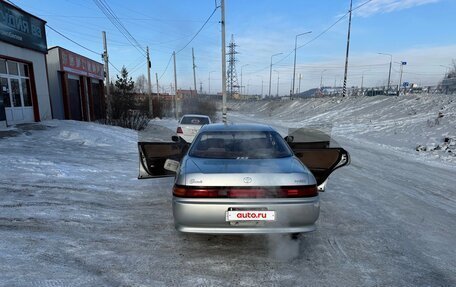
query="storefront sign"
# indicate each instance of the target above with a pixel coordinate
(80, 65)
(21, 29)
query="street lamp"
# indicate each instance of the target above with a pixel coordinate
(402, 63)
(261, 85)
(321, 78)
(210, 81)
(241, 76)
(294, 66)
(270, 72)
(299, 86)
(389, 73)
(362, 80)
(278, 79)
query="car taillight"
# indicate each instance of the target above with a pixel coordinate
(299, 191)
(245, 192)
(179, 130)
(183, 191)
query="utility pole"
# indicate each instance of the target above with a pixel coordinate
(222, 6)
(210, 81)
(400, 80)
(389, 75)
(194, 73)
(278, 79)
(106, 67)
(175, 87)
(158, 91)
(261, 87)
(321, 78)
(362, 82)
(149, 85)
(344, 89)
(294, 65)
(242, 87)
(389, 71)
(299, 85)
(270, 73)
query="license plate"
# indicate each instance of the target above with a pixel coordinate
(250, 215)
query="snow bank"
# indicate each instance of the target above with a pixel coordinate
(396, 123)
(69, 153)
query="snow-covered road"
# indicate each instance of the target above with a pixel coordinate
(72, 213)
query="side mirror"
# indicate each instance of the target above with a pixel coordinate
(289, 139)
(171, 165)
(175, 139)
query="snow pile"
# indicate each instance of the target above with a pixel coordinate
(394, 123)
(70, 153)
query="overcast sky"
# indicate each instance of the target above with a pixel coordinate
(420, 32)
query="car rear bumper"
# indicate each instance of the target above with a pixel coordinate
(206, 215)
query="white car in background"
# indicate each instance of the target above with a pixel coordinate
(189, 125)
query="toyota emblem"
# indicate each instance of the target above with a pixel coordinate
(247, 179)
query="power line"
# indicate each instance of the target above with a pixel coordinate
(90, 50)
(112, 17)
(120, 18)
(194, 36)
(319, 67)
(136, 67)
(133, 65)
(114, 67)
(361, 5)
(310, 41)
(324, 31)
(120, 23)
(316, 37)
(69, 39)
(167, 65)
(116, 22)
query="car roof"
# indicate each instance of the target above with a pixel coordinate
(236, 127)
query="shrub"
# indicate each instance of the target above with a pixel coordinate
(161, 107)
(134, 120)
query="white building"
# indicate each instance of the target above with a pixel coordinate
(23, 78)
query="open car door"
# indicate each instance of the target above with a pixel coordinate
(316, 151)
(153, 155)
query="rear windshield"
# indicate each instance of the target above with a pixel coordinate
(194, 121)
(240, 145)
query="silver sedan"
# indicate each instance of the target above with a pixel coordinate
(243, 178)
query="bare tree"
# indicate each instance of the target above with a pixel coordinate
(141, 84)
(452, 71)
